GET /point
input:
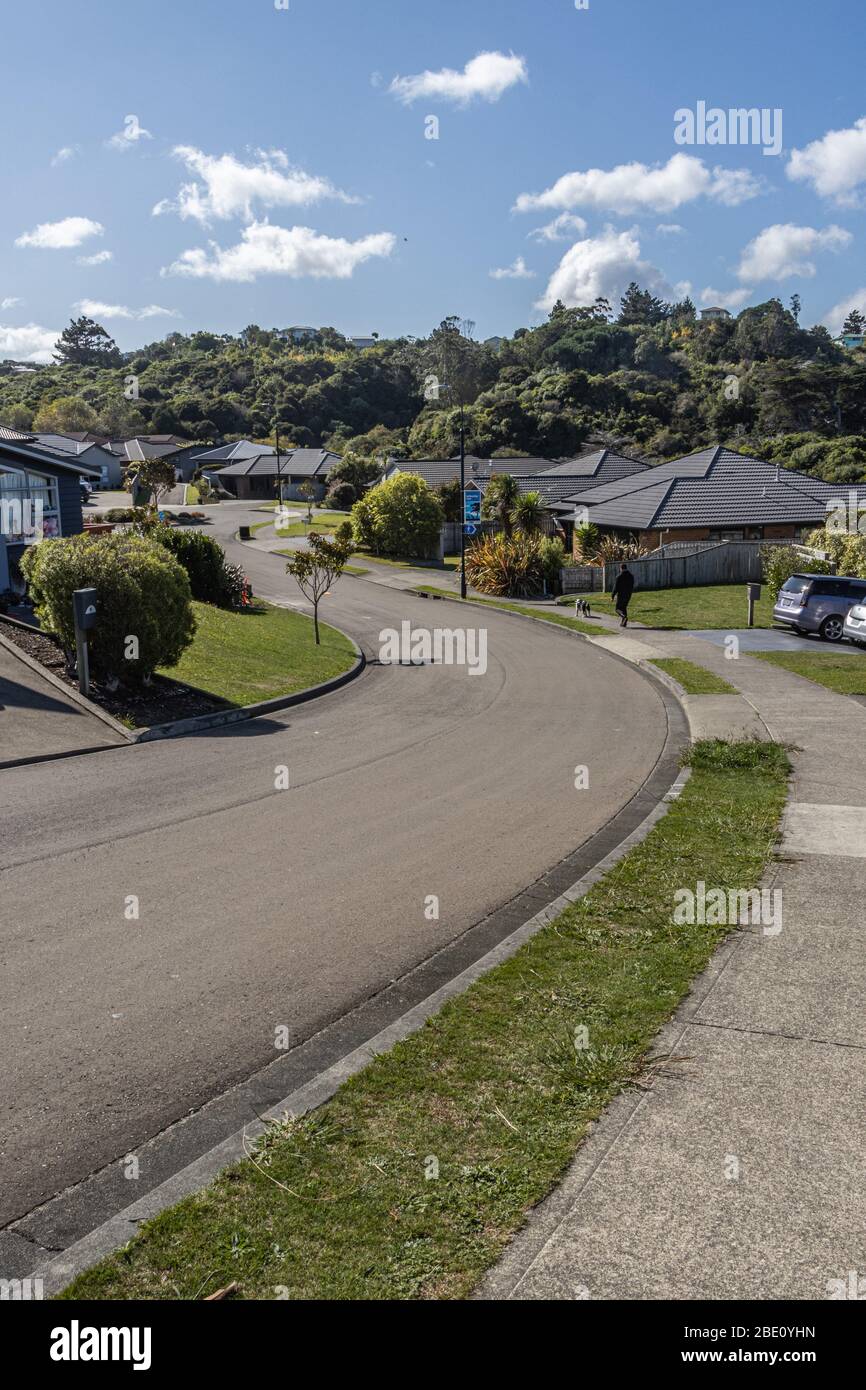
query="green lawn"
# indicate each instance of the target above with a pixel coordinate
(259, 654)
(708, 606)
(844, 674)
(410, 1182)
(695, 680)
(543, 615)
(450, 562)
(301, 528)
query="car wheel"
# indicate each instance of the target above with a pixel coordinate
(832, 628)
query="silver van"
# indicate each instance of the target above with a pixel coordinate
(818, 603)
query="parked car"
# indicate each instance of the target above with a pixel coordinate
(818, 603)
(86, 490)
(855, 624)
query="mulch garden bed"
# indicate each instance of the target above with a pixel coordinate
(158, 703)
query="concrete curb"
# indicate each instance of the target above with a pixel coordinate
(179, 727)
(119, 1229)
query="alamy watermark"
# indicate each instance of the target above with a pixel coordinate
(22, 517)
(439, 646)
(718, 907)
(736, 126)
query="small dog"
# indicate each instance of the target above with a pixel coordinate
(582, 608)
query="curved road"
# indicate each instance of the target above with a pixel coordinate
(261, 908)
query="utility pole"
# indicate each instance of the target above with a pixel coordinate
(279, 471)
(462, 507)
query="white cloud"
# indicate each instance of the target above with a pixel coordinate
(724, 299)
(784, 250)
(57, 236)
(518, 270)
(669, 229)
(95, 309)
(835, 165)
(485, 76)
(563, 226)
(835, 317)
(98, 258)
(67, 152)
(28, 344)
(638, 187)
(10, 302)
(229, 188)
(293, 251)
(132, 132)
(602, 267)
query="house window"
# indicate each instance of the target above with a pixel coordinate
(23, 496)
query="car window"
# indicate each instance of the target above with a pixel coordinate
(796, 584)
(857, 589)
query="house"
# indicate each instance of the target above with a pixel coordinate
(362, 343)
(715, 494)
(299, 332)
(851, 340)
(714, 314)
(257, 475)
(435, 472)
(35, 482)
(106, 469)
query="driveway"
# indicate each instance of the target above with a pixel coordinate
(38, 721)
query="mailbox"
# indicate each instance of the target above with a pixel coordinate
(84, 608)
(753, 592)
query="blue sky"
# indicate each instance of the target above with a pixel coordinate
(243, 124)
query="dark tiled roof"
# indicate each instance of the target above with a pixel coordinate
(603, 466)
(19, 453)
(714, 487)
(439, 471)
(232, 453)
(306, 463)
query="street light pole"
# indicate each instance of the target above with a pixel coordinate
(462, 505)
(279, 473)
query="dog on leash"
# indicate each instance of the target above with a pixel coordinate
(582, 608)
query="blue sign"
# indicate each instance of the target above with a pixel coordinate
(472, 504)
(469, 529)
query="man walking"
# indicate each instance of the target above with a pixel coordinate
(622, 592)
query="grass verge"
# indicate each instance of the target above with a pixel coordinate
(259, 654)
(694, 679)
(706, 606)
(844, 674)
(409, 1183)
(543, 615)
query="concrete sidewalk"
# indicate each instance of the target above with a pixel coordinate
(38, 721)
(741, 1173)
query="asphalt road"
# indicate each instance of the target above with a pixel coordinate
(260, 908)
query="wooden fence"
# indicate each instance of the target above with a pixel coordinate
(727, 562)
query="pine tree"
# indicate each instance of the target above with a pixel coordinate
(86, 344)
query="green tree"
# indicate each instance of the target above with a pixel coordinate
(64, 414)
(87, 344)
(855, 323)
(402, 516)
(156, 474)
(317, 568)
(528, 513)
(18, 417)
(307, 493)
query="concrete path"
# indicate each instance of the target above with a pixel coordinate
(741, 1173)
(38, 721)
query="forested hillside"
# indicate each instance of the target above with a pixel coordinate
(653, 379)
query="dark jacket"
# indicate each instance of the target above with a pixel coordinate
(624, 586)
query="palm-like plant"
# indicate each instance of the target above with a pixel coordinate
(500, 497)
(527, 514)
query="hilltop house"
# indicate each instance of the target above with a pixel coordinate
(253, 470)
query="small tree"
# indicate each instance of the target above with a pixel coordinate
(527, 514)
(500, 496)
(308, 493)
(402, 516)
(64, 413)
(316, 568)
(855, 323)
(157, 474)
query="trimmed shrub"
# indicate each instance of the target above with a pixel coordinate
(341, 497)
(402, 516)
(141, 592)
(552, 560)
(344, 534)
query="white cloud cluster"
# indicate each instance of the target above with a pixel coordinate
(518, 270)
(563, 226)
(485, 77)
(30, 343)
(96, 309)
(229, 188)
(724, 299)
(669, 229)
(10, 302)
(636, 187)
(835, 317)
(268, 250)
(784, 249)
(835, 165)
(602, 267)
(98, 258)
(58, 236)
(62, 155)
